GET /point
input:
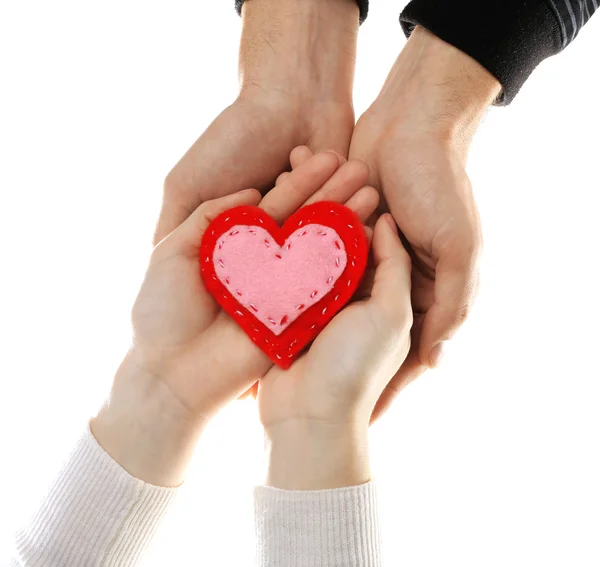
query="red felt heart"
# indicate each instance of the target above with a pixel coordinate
(283, 285)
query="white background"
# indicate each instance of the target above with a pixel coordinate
(491, 460)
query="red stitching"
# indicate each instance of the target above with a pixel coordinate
(308, 323)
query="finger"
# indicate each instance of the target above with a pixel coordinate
(298, 186)
(456, 282)
(300, 155)
(281, 178)
(364, 203)
(341, 159)
(391, 286)
(186, 238)
(343, 184)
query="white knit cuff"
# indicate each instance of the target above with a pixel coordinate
(321, 528)
(94, 513)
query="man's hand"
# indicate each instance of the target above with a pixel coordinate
(415, 138)
(296, 70)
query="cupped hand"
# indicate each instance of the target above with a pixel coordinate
(415, 139)
(429, 194)
(340, 378)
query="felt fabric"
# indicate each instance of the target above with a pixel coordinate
(283, 285)
(278, 283)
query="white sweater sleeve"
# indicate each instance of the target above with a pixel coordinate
(321, 528)
(95, 515)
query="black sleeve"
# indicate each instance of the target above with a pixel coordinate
(362, 4)
(508, 37)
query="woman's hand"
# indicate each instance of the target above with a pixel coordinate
(317, 413)
(188, 357)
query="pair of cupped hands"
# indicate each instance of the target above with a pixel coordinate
(190, 358)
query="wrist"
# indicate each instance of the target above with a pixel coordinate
(434, 89)
(304, 48)
(145, 429)
(311, 455)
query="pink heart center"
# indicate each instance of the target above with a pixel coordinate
(278, 283)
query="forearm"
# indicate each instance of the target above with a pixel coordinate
(319, 506)
(435, 91)
(303, 48)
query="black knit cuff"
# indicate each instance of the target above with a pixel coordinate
(363, 6)
(508, 37)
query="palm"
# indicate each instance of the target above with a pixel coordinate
(174, 319)
(334, 364)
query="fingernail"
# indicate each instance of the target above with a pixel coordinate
(437, 355)
(390, 219)
(340, 157)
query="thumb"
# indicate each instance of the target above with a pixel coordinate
(186, 238)
(391, 286)
(456, 281)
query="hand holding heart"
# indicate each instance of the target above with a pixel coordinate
(340, 378)
(181, 335)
